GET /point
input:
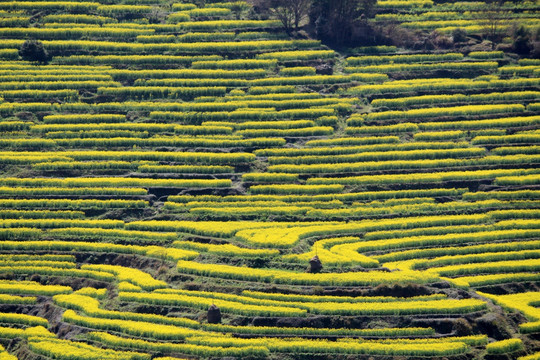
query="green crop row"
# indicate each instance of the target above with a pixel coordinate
(71, 350)
(467, 110)
(420, 178)
(185, 93)
(40, 191)
(457, 98)
(435, 85)
(73, 204)
(133, 59)
(455, 66)
(112, 182)
(39, 214)
(176, 141)
(399, 59)
(415, 153)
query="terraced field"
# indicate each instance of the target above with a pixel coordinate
(174, 178)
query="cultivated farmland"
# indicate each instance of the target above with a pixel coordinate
(190, 181)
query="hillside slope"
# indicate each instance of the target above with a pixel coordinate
(183, 181)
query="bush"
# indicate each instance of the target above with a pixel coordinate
(33, 50)
(459, 35)
(462, 327)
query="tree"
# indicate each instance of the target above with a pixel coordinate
(33, 50)
(157, 15)
(496, 20)
(238, 8)
(300, 10)
(335, 20)
(522, 40)
(291, 13)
